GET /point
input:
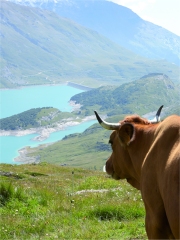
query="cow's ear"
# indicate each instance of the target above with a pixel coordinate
(126, 133)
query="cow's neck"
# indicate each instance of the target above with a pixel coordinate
(139, 147)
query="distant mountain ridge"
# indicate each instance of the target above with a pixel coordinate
(40, 47)
(119, 24)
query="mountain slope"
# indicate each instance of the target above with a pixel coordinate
(32, 118)
(88, 149)
(119, 24)
(140, 96)
(39, 47)
(91, 148)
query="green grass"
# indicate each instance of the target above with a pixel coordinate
(53, 202)
(89, 149)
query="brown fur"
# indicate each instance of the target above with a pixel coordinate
(135, 119)
(148, 156)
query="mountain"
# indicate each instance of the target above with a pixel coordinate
(32, 118)
(140, 96)
(40, 47)
(90, 148)
(117, 23)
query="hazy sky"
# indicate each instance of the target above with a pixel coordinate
(165, 13)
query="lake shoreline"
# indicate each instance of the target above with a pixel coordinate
(44, 132)
(67, 83)
(40, 133)
(23, 153)
(22, 158)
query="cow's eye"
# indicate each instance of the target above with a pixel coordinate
(110, 141)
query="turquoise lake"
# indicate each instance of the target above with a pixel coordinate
(15, 101)
(18, 100)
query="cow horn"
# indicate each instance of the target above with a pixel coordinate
(106, 125)
(156, 119)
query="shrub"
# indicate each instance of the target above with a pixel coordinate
(7, 192)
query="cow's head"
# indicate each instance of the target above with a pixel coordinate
(119, 165)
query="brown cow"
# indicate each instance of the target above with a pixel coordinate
(148, 156)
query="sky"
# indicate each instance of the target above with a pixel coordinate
(164, 13)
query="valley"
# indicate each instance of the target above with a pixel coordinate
(61, 60)
(50, 49)
(117, 23)
(143, 97)
(117, 73)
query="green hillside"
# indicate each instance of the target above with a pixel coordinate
(118, 23)
(90, 149)
(46, 201)
(33, 118)
(141, 96)
(40, 47)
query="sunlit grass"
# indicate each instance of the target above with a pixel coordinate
(52, 202)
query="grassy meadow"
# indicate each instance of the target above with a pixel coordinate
(46, 201)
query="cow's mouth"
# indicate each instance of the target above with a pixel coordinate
(114, 176)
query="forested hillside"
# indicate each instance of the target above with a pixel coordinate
(23, 120)
(140, 96)
(33, 118)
